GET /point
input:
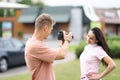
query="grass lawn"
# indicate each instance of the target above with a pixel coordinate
(70, 71)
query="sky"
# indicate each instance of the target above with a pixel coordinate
(95, 3)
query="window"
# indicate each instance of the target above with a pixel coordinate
(7, 44)
(1, 44)
(7, 29)
(17, 43)
(109, 14)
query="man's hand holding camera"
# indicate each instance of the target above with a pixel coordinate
(68, 37)
(65, 36)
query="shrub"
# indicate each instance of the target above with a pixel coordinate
(114, 38)
(80, 48)
(20, 33)
(114, 48)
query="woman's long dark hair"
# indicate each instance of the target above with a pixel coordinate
(101, 41)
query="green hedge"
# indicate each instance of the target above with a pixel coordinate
(115, 38)
(114, 48)
(113, 43)
(80, 48)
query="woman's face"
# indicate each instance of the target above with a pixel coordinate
(91, 39)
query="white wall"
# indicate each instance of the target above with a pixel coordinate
(76, 23)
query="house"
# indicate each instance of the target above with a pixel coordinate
(67, 18)
(111, 19)
(107, 19)
(9, 13)
(23, 22)
(60, 14)
(10, 23)
(76, 18)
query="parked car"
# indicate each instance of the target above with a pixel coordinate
(11, 53)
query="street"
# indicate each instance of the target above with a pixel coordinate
(14, 71)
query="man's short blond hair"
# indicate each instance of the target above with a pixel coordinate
(42, 20)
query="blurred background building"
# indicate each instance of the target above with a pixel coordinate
(72, 15)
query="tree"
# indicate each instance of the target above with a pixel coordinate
(29, 2)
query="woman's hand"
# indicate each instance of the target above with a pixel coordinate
(93, 76)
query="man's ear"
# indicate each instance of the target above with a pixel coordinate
(45, 28)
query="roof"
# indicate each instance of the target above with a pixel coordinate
(59, 14)
(8, 5)
(105, 3)
(110, 16)
(29, 15)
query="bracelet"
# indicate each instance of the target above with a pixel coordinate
(67, 41)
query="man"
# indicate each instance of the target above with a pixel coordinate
(39, 57)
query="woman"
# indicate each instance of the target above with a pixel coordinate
(95, 51)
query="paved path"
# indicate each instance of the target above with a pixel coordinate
(23, 69)
(69, 56)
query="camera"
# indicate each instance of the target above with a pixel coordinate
(61, 35)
